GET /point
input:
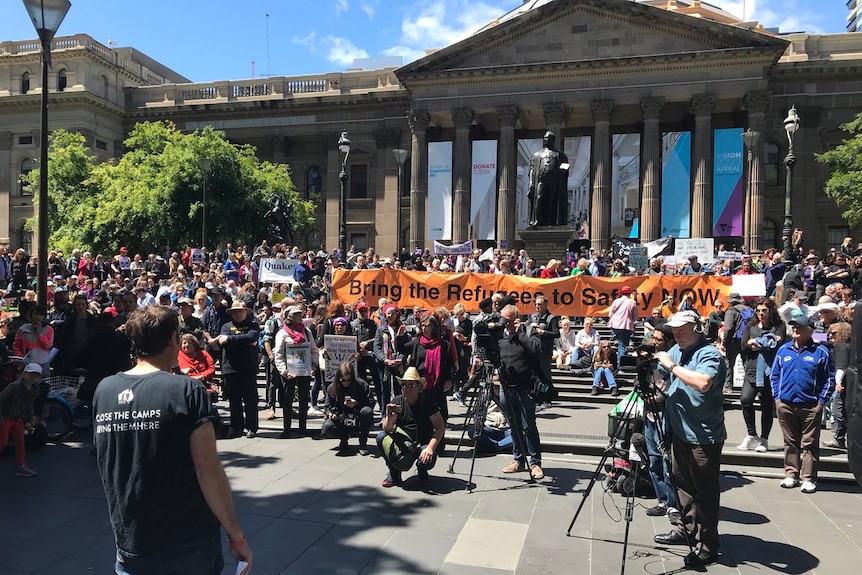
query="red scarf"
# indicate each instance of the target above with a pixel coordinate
(296, 336)
(432, 360)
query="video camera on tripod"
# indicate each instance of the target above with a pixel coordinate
(489, 332)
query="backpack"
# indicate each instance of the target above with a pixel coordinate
(745, 314)
(399, 450)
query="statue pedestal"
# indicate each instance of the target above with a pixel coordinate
(544, 243)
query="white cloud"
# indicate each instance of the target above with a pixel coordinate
(368, 9)
(343, 51)
(307, 41)
(786, 15)
(407, 53)
(341, 6)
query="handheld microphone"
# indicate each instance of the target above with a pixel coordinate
(638, 450)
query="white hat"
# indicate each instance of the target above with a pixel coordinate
(681, 318)
(33, 368)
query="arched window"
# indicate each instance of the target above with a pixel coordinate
(105, 87)
(25, 82)
(313, 181)
(771, 163)
(27, 166)
(61, 80)
(770, 235)
(25, 238)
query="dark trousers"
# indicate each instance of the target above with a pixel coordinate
(298, 386)
(204, 557)
(695, 470)
(731, 351)
(767, 407)
(241, 391)
(337, 427)
(839, 428)
(367, 369)
(420, 467)
(800, 425)
(520, 408)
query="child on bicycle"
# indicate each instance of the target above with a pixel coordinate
(16, 412)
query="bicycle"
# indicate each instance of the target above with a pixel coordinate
(61, 410)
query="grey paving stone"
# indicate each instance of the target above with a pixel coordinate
(282, 541)
(455, 569)
(343, 560)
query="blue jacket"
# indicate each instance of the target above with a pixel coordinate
(802, 376)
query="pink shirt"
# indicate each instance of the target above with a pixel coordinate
(623, 314)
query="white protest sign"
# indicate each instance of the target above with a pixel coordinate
(703, 248)
(277, 271)
(639, 257)
(338, 349)
(725, 255)
(749, 285)
(197, 256)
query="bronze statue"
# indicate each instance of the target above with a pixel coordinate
(279, 212)
(549, 177)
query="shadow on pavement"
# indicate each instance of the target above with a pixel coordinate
(742, 517)
(773, 556)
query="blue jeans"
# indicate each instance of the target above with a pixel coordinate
(623, 337)
(420, 467)
(203, 557)
(659, 471)
(521, 411)
(608, 376)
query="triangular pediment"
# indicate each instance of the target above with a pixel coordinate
(580, 31)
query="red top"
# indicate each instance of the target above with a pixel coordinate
(199, 366)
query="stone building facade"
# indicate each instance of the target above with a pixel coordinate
(622, 84)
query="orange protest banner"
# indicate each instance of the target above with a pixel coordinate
(573, 296)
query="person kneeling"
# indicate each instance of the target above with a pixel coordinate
(413, 429)
(348, 407)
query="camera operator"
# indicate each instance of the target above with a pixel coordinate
(547, 326)
(486, 314)
(662, 340)
(518, 366)
(695, 418)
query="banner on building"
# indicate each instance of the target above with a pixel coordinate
(455, 249)
(277, 271)
(439, 216)
(727, 183)
(573, 296)
(676, 184)
(483, 190)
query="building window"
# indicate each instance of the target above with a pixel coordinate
(313, 182)
(25, 140)
(359, 242)
(62, 82)
(27, 166)
(835, 236)
(102, 145)
(25, 82)
(358, 181)
(771, 163)
(25, 238)
(105, 87)
(770, 234)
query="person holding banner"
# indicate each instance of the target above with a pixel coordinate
(296, 377)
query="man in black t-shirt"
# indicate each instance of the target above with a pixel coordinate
(166, 490)
(419, 416)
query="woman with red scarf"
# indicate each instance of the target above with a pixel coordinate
(431, 354)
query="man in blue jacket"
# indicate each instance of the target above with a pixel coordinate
(802, 380)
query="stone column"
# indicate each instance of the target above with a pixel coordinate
(701, 200)
(756, 103)
(418, 121)
(555, 117)
(506, 214)
(600, 212)
(461, 163)
(650, 218)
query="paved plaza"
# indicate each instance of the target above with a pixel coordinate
(307, 511)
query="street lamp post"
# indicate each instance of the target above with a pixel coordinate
(344, 149)
(206, 164)
(791, 125)
(400, 157)
(46, 15)
(751, 140)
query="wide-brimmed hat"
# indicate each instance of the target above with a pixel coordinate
(238, 305)
(294, 309)
(625, 290)
(185, 301)
(828, 306)
(411, 374)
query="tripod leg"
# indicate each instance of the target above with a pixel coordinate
(478, 427)
(588, 490)
(629, 513)
(463, 431)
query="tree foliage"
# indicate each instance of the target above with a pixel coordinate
(153, 195)
(845, 182)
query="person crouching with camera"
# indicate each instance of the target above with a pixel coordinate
(413, 430)
(694, 412)
(518, 353)
(349, 407)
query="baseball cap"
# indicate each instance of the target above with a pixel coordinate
(361, 305)
(803, 321)
(33, 368)
(681, 318)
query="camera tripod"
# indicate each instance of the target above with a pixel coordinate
(646, 391)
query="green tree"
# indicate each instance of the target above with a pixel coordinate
(153, 195)
(845, 182)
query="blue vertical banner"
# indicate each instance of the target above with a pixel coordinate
(676, 184)
(727, 183)
(439, 191)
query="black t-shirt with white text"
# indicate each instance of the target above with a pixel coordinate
(143, 426)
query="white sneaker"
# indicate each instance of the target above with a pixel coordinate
(789, 483)
(749, 443)
(808, 487)
(312, 412)
(763, 447)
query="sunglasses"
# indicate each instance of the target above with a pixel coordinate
(762, 310)
(409, 386)
(606, 347)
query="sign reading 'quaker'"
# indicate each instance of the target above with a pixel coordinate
(574, 296)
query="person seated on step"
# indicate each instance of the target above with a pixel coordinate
(605, 364)
(587, 340)
(349, 408)
(413, 430)
(564, 346)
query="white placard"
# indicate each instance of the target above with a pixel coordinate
(298, 359)
(749, 285)
(196, 256)
(339, 348)
(725, 255)
(277, 271)
(703, 248)
(639, 257)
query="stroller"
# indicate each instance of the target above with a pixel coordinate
(624, 420)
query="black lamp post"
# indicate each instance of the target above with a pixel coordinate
(206, 164)
(46, 15)
(344, 149)
(750, 140)
(400, 158)
(791, 125)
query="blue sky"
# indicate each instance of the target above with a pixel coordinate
(219, 39)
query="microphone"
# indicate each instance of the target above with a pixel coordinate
(638, 450)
